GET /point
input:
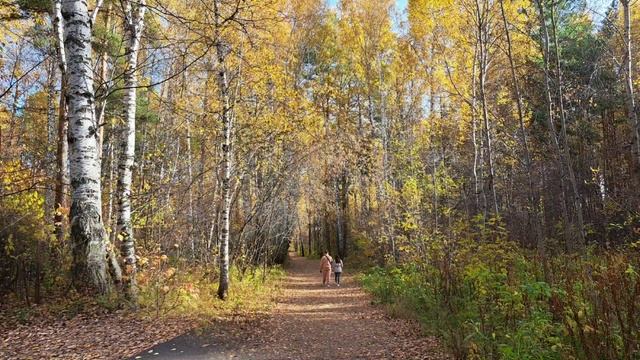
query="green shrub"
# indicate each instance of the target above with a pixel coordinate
(491, 301)
(168, 290)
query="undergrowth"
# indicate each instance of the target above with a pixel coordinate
(164, 290)
(493, 301)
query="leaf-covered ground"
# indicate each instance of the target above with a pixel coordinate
(309, 322)
(87, 336)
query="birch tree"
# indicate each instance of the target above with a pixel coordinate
(484, 40)
(225, 119)
(133, 25)
(62, 151)
(87, 230)
(533, 196)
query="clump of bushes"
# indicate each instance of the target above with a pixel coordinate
(495, 301)
(169, 287)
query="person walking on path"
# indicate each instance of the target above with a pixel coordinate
(337, 269)
(325, 268)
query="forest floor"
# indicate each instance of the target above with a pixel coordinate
(91, 334)
(309, 322)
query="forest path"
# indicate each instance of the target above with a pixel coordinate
(309, 322)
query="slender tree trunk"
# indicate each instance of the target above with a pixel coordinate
(192, 236)
(112, 193)
(550, 117)
(62, 151)
(134, 22)
(50, 205)
(227, 156)
(628, 74)
(534, 207)
(566, 153)
(483, 65)
(87, 230)
(102, 101)
(14, 124)
(310, 227)
(114, 266)
(300, 240)
(478, 187)
(202, 210)
(341, 192)
(339, 229)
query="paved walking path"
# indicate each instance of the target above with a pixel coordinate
(309, 322)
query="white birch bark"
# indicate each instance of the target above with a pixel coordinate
(483, 41)
(62, 151)
(87, 230)
(50, 205)
(225, 117)
(134, 22)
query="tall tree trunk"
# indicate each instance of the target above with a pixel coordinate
(192, 236)
(550, 117)
(477, 180)
(134, 22)
(50, 205)
(112, 192)
(87, 230)
(114, 266)
(227, 157)
(62, 151)
(534, 208)
(102, 100)
(341, 190)
(310, 230)
(483, 65)
(628, 74)
(13, 138)
(434, 153)
(566, 153)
